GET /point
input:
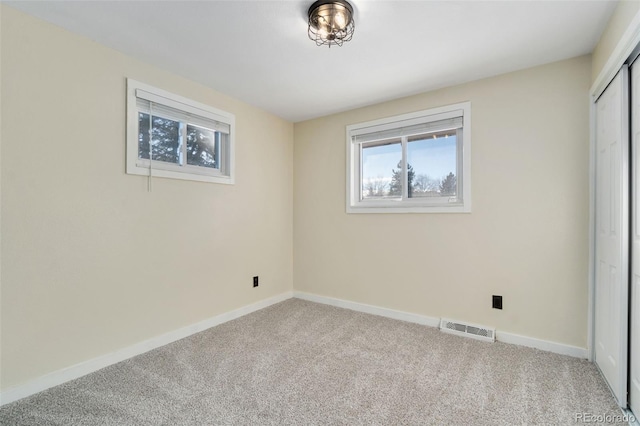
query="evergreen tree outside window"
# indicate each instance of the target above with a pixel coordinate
(174, 137)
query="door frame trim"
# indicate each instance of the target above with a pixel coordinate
(629, 41)
(620, 55)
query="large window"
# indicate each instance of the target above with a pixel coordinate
(171, 136)
(418, 162)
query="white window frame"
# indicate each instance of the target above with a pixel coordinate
(459, 204)
(225, 174)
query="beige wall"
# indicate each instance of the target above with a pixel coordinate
(526, 238)
(618, 24)
(91, 261)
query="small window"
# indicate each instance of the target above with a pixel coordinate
(174, 137)
(413, 163)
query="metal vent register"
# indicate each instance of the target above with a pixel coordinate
(469, 330)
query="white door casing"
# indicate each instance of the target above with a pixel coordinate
(612, 235)
(634, 331)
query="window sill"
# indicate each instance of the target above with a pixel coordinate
(406, 208)
(181, 175)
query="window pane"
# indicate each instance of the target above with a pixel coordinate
(432, 166)
(203, 147)
(381, 172)
(167, 139)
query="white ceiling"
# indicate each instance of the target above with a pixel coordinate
(258, 51)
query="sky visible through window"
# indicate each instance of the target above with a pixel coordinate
(431, 158)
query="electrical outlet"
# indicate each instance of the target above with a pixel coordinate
(255, 281)
(497, 302)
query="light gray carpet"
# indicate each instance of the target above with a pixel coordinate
(302, 363)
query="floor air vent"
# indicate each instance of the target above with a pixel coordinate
(468, 330)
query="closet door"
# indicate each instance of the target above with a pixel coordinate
(634, 332)
(612, 235)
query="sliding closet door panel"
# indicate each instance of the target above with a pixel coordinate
(612, 236)
(634, 350)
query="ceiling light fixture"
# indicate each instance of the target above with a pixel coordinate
(331, 22)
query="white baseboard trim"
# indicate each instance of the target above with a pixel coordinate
(545, 345)
(515, 339)
(369, 309)
(75, 371)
